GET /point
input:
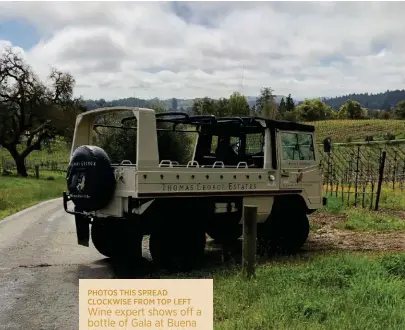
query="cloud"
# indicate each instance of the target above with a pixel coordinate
(180, 49)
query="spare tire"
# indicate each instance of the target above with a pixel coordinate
(90, 178)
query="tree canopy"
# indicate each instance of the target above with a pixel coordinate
(352, 110)
(313, 110)
(236, 105)
(400, 110)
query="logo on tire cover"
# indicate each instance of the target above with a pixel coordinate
(80, 182)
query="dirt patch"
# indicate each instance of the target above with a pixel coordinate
(397, 213)
(326, 238)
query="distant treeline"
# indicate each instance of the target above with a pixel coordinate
(128, 102)
(381, 101)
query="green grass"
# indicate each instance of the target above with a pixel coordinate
(392, 200)
(389, 199)
(364, 219)
(343, 291)
(19, 193)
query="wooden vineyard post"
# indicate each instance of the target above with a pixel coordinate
(249, 240)
(380, 179)
(37, 171)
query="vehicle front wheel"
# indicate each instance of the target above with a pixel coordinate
(286, 230)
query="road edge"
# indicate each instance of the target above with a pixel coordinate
(28, 209)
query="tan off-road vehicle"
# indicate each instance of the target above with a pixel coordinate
(175, 177)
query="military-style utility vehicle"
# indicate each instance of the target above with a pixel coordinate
(175, 177)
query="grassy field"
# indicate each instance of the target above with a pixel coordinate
(19, 193)
(357, 130)
(60, 153)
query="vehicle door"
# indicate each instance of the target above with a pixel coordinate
(299, 166)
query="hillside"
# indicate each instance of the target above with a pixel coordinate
(383, 101)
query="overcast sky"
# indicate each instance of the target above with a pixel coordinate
(186, 50)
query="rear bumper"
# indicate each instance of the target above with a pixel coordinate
(132, 203)
(66, 199)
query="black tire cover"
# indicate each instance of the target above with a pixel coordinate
(90, 178)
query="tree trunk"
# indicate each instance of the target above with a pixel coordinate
(21, 169)
(19, 159)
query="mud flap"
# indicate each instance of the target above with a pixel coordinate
(82, 230)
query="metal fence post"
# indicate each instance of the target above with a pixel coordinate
(357, 176)
(394, 170)
(380, 179)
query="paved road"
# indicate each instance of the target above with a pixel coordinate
(41, 264)
(40, 267)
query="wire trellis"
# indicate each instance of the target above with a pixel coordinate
(359, 173)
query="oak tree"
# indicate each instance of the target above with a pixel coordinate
(31, 113)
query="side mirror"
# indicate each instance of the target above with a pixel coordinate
(327, 145)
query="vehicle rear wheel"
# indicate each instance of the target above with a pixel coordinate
(224, 232)
(177, 241)
(225, 227)
(116, 238)
(286, 230)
